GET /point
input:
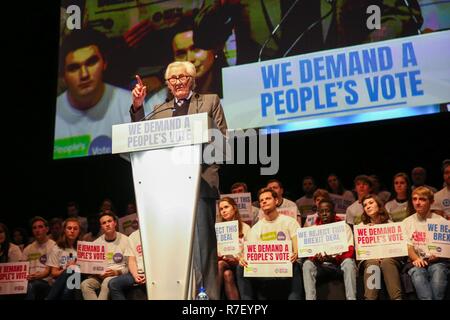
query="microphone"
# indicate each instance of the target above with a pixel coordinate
(276, 28)
(156, 111)
(413, 16)
(311, 26)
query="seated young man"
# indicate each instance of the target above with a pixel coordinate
(429, 273)
(273, 226)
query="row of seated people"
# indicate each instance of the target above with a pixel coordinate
(53, 272)
(427, 273)
(62, 258)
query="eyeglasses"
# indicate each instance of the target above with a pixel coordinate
(183, 79)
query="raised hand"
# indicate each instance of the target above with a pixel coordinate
(139, 92)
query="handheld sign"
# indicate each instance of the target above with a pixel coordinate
(329, 238)
(13, 277)
(268, 259)
(380, 241)
(91, 257)
(227, 234)
(438, 237)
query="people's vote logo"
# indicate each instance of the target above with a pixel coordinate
(419, 236)
(281, 236)
(118, 257)
(446, 202)
(43, 259)
(100, 145)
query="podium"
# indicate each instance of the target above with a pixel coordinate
(166, 156)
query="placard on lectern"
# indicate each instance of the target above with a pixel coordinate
(166, 157)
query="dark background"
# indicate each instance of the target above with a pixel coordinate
(34, 184)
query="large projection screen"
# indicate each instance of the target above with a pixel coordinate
(119, 39)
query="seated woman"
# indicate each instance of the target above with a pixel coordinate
(375, 213)
(227, 265)
(400, 205)
(62, 261)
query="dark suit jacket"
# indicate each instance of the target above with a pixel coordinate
(209, 103)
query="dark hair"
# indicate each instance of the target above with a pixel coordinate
(111, 203)
(239, 184)
(264, 190)
(330, 202)
(24, 234)
(108, 213)
(445, 164)
(80, 38)
(309, 178)
(276, 181)
(384, 216)
(55, 220)
(4, 247)
(38, 218)
(73, 204)
(365, 179)
(237, 215)
(410, 207)
(62, 241)
(341, 188)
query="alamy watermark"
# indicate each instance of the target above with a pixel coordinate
(238, 147)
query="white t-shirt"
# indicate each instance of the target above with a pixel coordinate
(305, 206)
(14, 253)
(354, 212)
(113, 108)
(59, 257)
(442, 201)
(117, 252)
(398, 211)
(136, 249)
(37, 255)
(282, 228)
(416, 231)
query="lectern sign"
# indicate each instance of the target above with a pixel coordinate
(160, 133)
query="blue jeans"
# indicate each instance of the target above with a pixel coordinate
(118, 285)
(311, 271)
(37, 290)
(258, 288)
(430, 282)
(60, 290)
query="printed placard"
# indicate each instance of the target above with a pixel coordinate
(328, 238)
(380, 241)
(13, 277)
(268, 259)
(91, 257)
(227, 234)
(244, 204)
(438, 237)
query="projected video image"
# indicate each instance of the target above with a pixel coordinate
(119, 39)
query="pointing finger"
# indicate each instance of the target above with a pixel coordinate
(139, 80)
